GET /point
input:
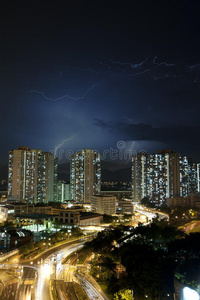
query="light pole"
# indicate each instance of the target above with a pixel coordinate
(55, 264)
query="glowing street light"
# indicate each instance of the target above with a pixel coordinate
(189, 294)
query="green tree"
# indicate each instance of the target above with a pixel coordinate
(146, 202)
(165, 208)
(27, 248)
(109, 219)
(57, 224)
(76, 231)
(123, 295)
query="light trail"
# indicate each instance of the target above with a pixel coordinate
(90, 290)
(54, 265)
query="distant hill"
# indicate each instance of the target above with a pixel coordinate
(118, 175)
(4, 172)
(110, 172)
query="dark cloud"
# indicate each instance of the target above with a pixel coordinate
(146, 132)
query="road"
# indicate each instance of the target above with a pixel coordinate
(93, 291)
(34, 277)
(52, 268)
(149, 213)
(34, 274)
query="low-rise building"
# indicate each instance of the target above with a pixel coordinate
(60, 215)
(11, 238)
(103, 204)
(3, 213)
(3, 196)
(191, 201)
(90, 219)
(125, 207)
(22, 208)
(69, 217)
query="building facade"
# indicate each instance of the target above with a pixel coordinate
(156, 176)
(63, 193)
(139, 176)
(189, 177)
(198, 178)
(193, 200)
(163, 176)
(85, 175)
(32, 176)
(184, 176)
(103, 204)
(125, 207)
(192, 180)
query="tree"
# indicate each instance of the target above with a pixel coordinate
(146, 202)
(109, 219)
(165, 208)
(27, 248)
(57, 224)
(123, 295)
(76, 231)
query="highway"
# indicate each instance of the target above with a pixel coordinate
(34, 279)
(90, 289)
(52, 268)
(149, 213)
(32, 275)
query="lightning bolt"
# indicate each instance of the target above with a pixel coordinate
(64, 141)
(164, 76)
(162, 63)
(195, 70)
(103, 64)
(140, 73)
(150, 67)
(131, 152)
(127, 67)
(65, 96)
(155, 69)
(194, 66)
(129, 120)
(133, 66)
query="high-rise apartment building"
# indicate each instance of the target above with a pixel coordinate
(139, 176)
(192, 180)
(63, 191)
(32, 175)
(184, 176)
(156, 176)
(198, 178)
(85, 175)
(163, 176)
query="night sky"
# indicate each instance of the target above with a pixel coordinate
(100, 74)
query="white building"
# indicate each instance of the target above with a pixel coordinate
(85, 175)
(32, 175)
(103, 204)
